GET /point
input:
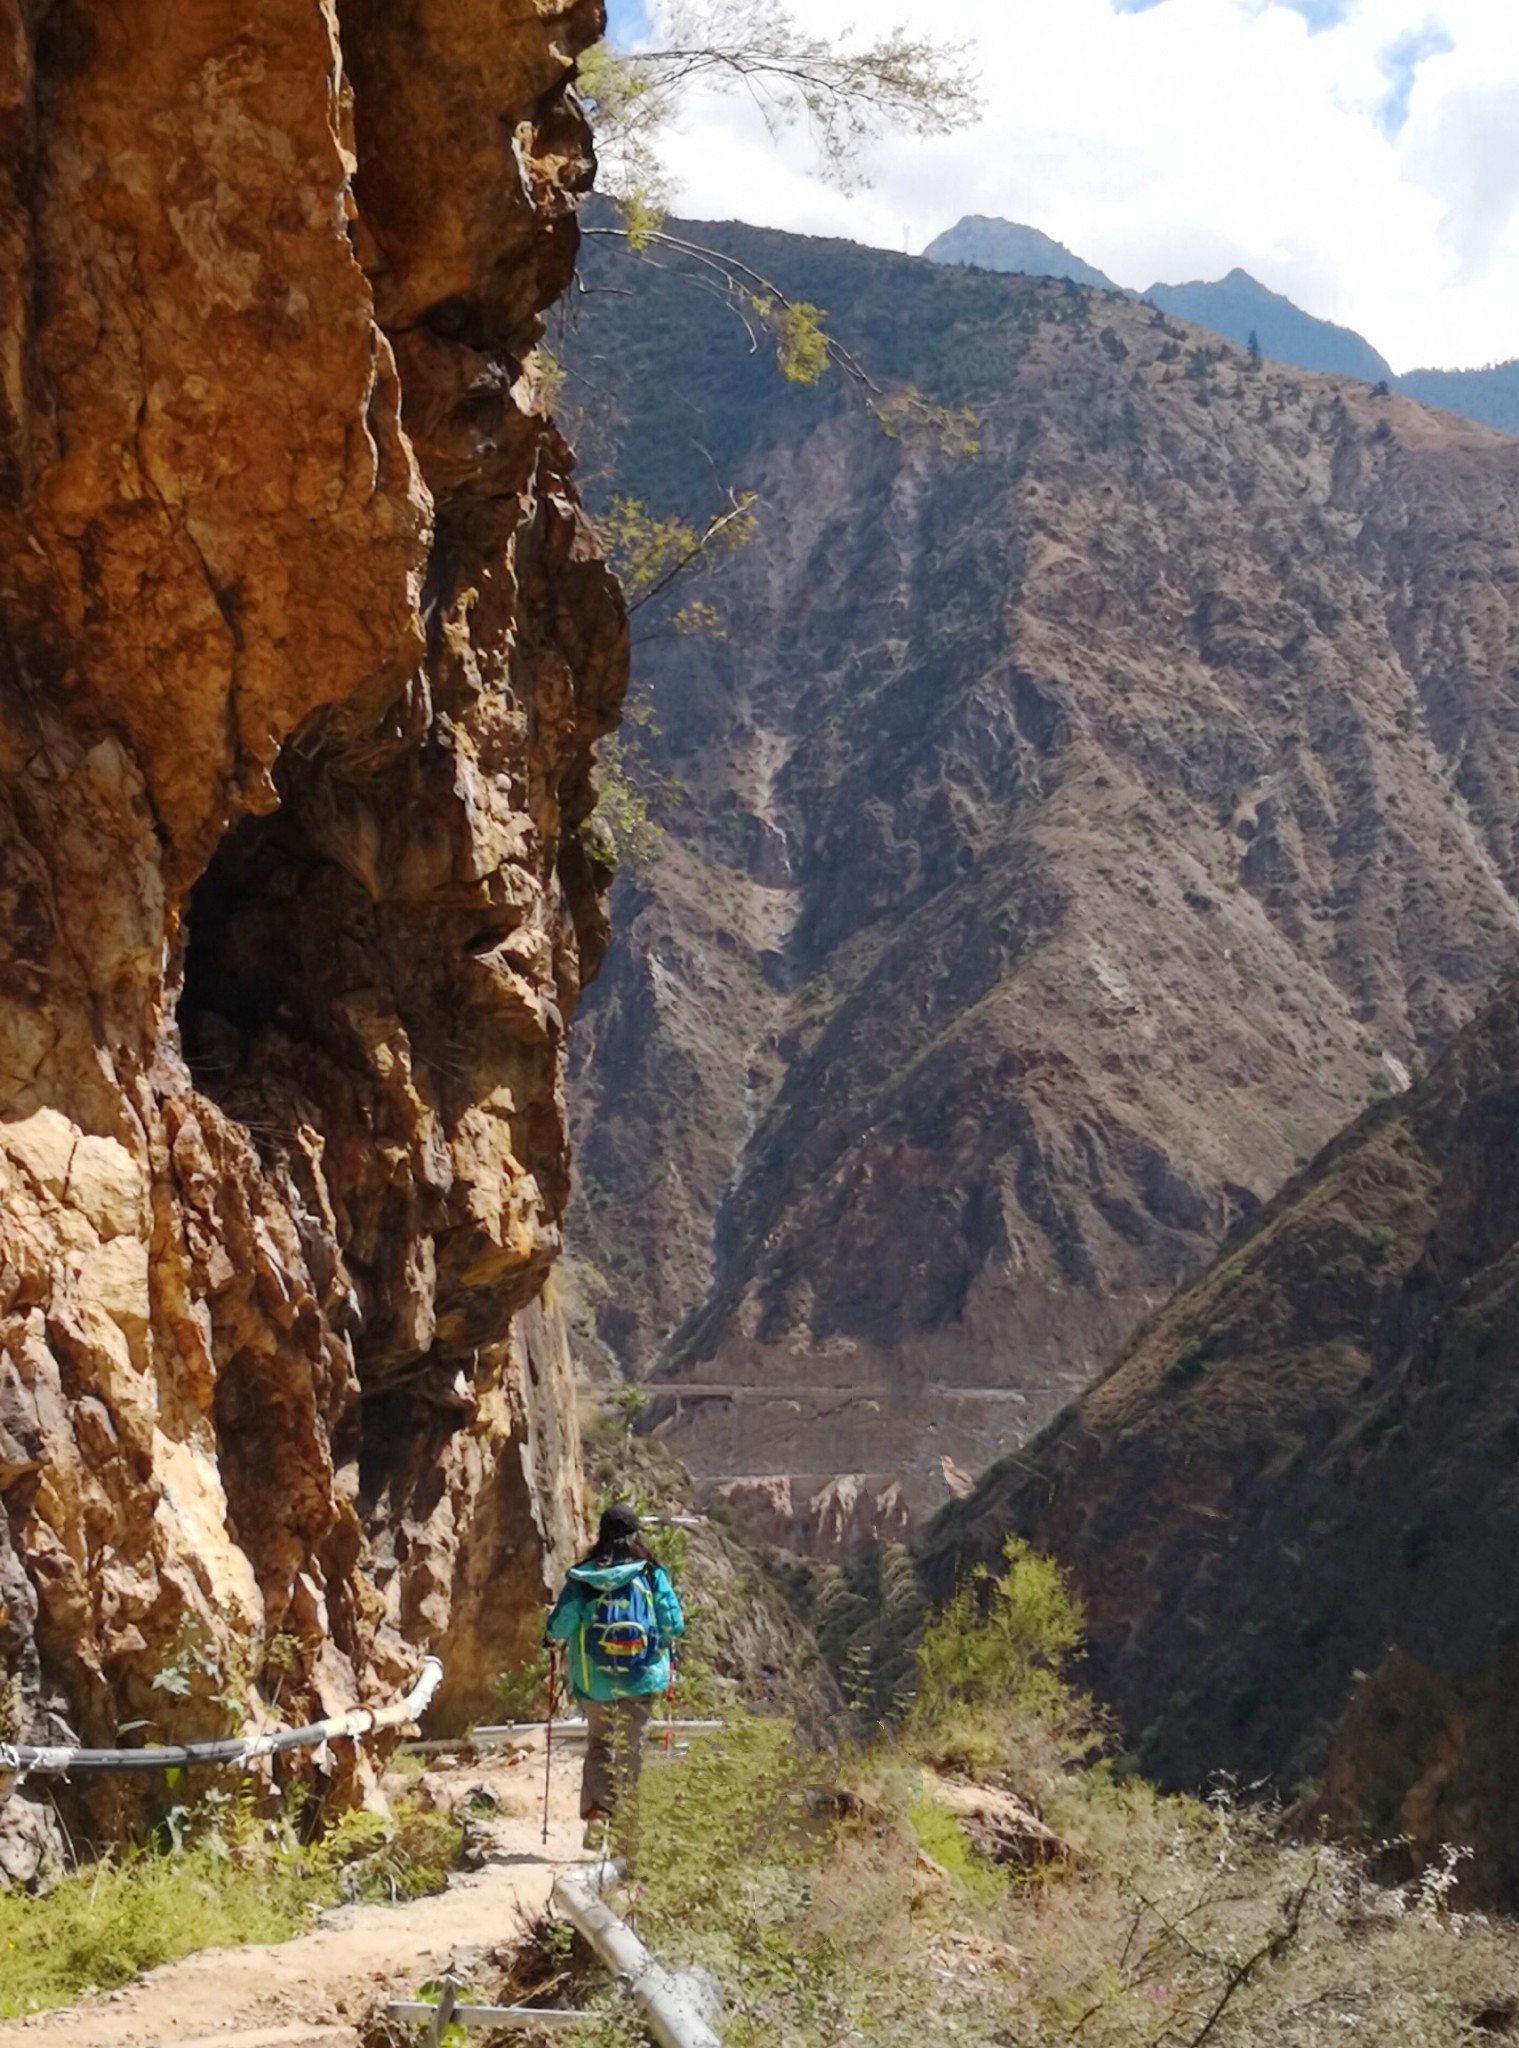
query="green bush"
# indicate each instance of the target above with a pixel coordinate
(1000, 1644)
(741, 1799)
(728, 1849)
(524, 1689)
(938, 1834)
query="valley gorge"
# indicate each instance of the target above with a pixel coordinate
(305, 648)
(1062, 837)
(1047, 1064)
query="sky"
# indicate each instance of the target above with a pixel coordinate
(1361, 156)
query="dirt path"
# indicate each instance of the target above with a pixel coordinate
(311, 1991)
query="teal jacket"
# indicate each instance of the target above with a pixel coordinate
(583, 1587)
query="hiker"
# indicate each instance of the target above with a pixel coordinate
(618, 1617)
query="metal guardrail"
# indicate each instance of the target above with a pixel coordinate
(671, 2001)
(449, 2011)
(571, 1730)
(19, 1760)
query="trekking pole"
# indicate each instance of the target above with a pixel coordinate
(670, 1704)
(548, 1745)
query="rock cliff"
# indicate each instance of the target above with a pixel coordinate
(1292, 1510)
(1062, 841)
(303, 651)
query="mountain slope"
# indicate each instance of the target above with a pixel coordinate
(1237, 306)
(1304, 1473)
(1060, 844)
(1490, 395)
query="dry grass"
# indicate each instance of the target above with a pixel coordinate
(1177, 1924)
(226, 1875)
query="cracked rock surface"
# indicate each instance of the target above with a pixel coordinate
(305, 649)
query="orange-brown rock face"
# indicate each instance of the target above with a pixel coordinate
(305, 645)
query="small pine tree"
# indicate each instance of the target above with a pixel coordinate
(1254, 345)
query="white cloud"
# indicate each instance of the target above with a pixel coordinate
(1359, 155)
(1469, 156)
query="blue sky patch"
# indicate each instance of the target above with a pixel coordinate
(627, 22)
(1321, 14)
(1400, 63)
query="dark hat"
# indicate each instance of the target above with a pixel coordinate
(621, 1519)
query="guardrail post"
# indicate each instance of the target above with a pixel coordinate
(443, 2012)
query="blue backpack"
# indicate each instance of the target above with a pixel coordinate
(622, 1630)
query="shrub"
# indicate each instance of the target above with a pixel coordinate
(1188, 1363)
(728, 1847)
(524, 1689)
(938, 1834)
(742, 1797)
(992, 1663)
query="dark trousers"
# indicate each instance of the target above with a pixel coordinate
(613, 1755)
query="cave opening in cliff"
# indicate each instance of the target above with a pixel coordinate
(266, 932)
(232, 984)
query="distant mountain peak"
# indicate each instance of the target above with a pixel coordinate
(1236, 306)
(987, 243)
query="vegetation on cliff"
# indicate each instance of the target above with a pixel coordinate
(1291, 1509)
(844, 91)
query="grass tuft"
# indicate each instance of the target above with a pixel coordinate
(222, 1877)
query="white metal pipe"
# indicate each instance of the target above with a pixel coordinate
(21, 1759)
(667, 2000)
